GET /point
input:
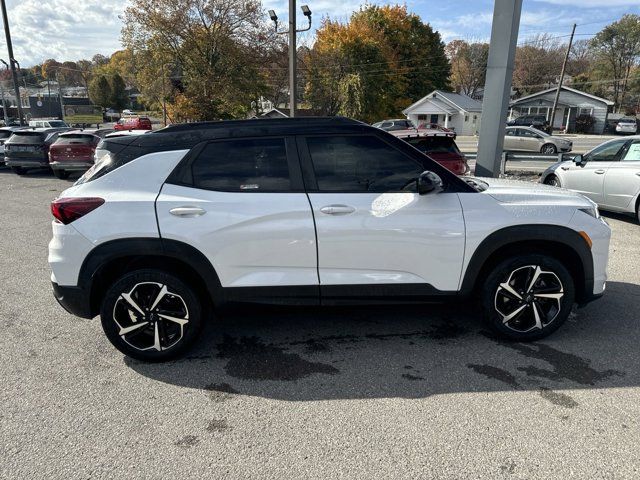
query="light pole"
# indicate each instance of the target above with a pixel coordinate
(292, 48)
(164, 97)
(12, 60)
(4, 107)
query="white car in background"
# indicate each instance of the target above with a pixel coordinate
(609, 175)
(530, 139)
(627, 126)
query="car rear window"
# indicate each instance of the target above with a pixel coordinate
(5, 134)
(27, 138)
(435, 145)
(75, 139)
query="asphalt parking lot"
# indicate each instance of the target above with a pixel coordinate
(397, 392)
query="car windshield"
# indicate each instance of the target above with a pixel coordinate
(27, 138)
(75, 138)
(627, 120)
(58, 123)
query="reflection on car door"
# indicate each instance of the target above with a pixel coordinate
(373, 229)
(510, 139)
(622, 179)
(241, 202)
(588, 178)
(530, 140)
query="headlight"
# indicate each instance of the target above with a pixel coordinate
(592, 211)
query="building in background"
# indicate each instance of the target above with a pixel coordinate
(455, 111)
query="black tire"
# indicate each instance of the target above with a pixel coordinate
(18, 170)
(143, 287)
(538, 317)
(553, 181)
(638, 211)
(549, 149)
(61, 174)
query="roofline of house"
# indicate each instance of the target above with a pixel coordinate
(430, 96)
(563, 87)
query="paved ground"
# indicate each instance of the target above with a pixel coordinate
(351, 393)
(581, 143)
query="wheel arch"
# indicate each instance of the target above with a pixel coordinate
(562, 243)
(110, 260)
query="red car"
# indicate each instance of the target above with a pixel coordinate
(439, 146)
(72, 151)
(133, 123)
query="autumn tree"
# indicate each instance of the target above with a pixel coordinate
(100, 91)
(383, 57)
(618, 47)
(468, 65)
(538, 63)
(119, 98)
(212, 43)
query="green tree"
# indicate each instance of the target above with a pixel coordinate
(100, 91)
(119, 98)
(618, 47)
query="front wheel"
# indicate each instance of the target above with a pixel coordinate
(552, 180)
(151, 315)
(61, 174)
(549, 149)
(18, 170)
(527, 297)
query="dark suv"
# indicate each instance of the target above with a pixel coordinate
(538, 121)
(28, 149)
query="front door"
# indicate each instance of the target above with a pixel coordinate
(622, 180)
(588, 178)
(376, 235)
(434, 119)
(241, 202)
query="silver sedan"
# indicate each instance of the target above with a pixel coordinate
(609, 175)
(530, 139)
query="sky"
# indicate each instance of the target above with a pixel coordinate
(76, 29)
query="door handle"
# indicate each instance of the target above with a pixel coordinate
(599, 171)
(187, 212)
(564, 168)
(337, 209)
(638, 174)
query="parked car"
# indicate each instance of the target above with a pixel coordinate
(5, 133)
(395, 124)
(133, 123)
(126, 111)
(529, 139)
(439, 146)
(609, 175)
(311, 211)
(433, 126)
(29, 148)
(72, 152)
(43, 123)
(627, 126)
(125, 133)
(538, 121)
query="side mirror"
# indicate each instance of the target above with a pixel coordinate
(429, 182)
(579, 160)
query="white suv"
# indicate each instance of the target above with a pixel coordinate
(170, 225)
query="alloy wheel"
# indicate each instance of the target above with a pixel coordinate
(150, 317)
(529, 299)
(549, 149)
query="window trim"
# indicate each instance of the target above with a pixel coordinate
(182, 175)
(309, 173)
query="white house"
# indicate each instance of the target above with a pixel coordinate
(458, 112)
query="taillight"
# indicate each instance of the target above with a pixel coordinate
(67, 210)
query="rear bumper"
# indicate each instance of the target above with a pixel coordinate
(26, 162)
(73, 299)
(71, 166)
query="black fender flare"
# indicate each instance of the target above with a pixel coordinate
(529, 233)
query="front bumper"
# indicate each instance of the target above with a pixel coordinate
(73, 299)
(26, 162)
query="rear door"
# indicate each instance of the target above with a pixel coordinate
(241, 202)
(622, 179)
(588, 178)
(376, 235)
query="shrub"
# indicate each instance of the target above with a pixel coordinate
(584, 123)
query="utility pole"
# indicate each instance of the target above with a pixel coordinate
(564, 66)
(502, 52)
(293, 51)
(4, 107)
(12, 61)
(48, 96)
(60, 95)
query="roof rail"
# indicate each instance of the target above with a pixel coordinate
(257, 122)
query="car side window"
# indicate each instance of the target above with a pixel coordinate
(632, 153)
(246, 165)
(386, 125)
(360, 164)
(605, 153)
(511, 132)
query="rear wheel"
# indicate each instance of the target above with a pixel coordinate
(61, 174)
(18, 170)
(527, 297)
(549, 149)
(552, 180)
(151, 315)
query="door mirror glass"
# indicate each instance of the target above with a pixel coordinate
(429, 182)
(579, 160)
